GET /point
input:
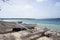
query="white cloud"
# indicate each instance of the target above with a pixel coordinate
(57, 4)
(22, 7)
(18, 5)
(41, 0)
(28, 7)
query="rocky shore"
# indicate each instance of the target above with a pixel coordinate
(32, 32)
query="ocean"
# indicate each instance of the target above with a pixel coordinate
(53, 24)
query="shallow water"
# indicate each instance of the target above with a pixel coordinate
(48, 24)
(51, 24)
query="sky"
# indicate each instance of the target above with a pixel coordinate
(39, 9)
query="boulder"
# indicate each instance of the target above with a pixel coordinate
(50, 33)
(9, 26)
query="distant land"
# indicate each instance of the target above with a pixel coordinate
(28, 19)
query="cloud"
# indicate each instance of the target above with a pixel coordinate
(18, 5)
(28, 7)
(57, 4)
(41, 0)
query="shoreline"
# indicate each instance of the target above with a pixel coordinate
(20, 31)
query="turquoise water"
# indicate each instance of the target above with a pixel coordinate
(51, 24)
(45, 24)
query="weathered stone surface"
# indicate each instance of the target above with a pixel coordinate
(50, 33)
(14, 36)
(8, 26)
(18, 36)
(36, 33)
(58, 34)
(44, 38)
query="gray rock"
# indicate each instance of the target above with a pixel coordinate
(44, 38)
(50, 33)
(8, 26)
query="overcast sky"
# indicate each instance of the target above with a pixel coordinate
(30, 9)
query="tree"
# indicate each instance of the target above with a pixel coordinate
(3, 2)
(0, 9)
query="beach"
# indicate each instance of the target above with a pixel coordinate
(23, 31)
